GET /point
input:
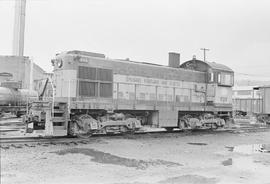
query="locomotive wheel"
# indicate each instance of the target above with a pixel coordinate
(71, 129)
(84, 135)
(79, 128)
(132, 131)
(214, 126)
(81, 134)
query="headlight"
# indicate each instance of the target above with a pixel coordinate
(59, 63)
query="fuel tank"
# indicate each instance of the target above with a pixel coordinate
(13, 97)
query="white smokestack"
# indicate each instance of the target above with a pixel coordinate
(18, 30)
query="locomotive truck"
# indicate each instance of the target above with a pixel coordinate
(96, 94)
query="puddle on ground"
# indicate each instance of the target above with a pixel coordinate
(197, 143)
(107, 158)
(249, 161)
(251, 149)
(260, 165)
(227, 162)
(230, 148)
(189, 179)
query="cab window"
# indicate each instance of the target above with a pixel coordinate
(211, 77)
(225, 79)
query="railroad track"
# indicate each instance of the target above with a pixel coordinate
(67, 139)
(6, 143)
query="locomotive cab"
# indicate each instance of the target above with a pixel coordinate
(219, 82)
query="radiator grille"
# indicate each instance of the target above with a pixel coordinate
(105, 75)
(95, 82)
(87, 73)
(88, 89)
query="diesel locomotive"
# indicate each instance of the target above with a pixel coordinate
(96, 94)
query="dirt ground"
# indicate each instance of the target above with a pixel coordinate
(193, 158)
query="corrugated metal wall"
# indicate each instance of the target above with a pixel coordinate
(248, 105)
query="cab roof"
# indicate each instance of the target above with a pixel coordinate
(203, 66)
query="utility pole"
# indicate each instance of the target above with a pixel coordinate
(204, 53)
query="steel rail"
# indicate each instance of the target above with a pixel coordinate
(68, 139)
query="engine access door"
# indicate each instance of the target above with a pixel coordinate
(210, 93)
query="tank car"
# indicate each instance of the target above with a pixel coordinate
(15, 100)
(101, 95)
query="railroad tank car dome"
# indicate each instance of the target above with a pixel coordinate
(204, 66)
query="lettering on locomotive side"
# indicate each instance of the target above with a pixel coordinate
(223, 99)
(153, 81)
(133, 79)
(146, 81)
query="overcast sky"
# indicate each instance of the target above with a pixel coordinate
(237, 32)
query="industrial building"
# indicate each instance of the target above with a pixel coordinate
(18, 68)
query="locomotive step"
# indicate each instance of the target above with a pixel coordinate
(58, 119)
(58, 111)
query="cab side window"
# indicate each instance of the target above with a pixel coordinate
(210, 77)
(225, 79)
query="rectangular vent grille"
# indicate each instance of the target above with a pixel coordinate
(105, 75)
(87, 73)
(88, 89)
(95, 82)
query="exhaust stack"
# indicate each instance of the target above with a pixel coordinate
(174, 59)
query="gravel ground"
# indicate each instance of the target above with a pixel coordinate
(143, 159)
